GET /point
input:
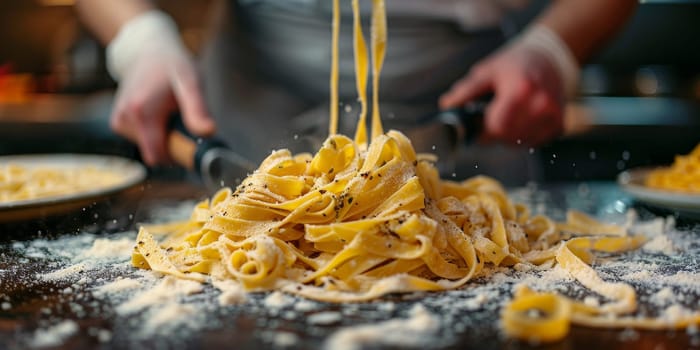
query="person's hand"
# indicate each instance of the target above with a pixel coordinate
(159, 79)
(529, 94)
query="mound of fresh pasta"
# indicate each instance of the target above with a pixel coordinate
(682, 176)
(358, 220)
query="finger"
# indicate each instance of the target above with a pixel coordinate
(188, 93)
(118, 124)
(131, 122)
(547, 114)
(504, 116)
(478, 82)
(152, 137)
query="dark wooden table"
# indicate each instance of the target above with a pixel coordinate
(242, 328)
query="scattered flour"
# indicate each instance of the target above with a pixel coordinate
(663, 297)
(65, 273)
(169, 316)
(119, 285)
(104, 248)
(54, 335)
(660, 244)
(149, 305)
(474, 302)
(418, 330)
(591, 301)
(232, 292)
(278, 300)
(168, 290)
(325, 318)
(305, 305)
(285, 339)
(676, 312)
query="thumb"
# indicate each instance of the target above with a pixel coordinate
(188, 94)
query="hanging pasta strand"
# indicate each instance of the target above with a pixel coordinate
(360, 74)
(333, 125)
(378, 39)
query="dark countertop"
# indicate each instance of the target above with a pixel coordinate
(247, 327)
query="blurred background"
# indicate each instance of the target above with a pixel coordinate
(638, 101)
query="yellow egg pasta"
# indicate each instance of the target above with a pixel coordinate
(361, 218)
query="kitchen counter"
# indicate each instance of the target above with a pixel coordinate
(31, 304)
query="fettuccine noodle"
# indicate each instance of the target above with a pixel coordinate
(682, 176)
(359, 220)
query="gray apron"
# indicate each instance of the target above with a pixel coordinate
(266, 72)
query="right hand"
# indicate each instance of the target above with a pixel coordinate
(159, 82)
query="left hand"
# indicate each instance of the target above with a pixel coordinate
(528, 102)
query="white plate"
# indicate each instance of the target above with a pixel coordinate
(130, 172)
(633, 181)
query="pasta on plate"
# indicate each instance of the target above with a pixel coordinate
(22, 183)
(681, 176)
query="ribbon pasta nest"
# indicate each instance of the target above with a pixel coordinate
(357, 221)
(348, 224)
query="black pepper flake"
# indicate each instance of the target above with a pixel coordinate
(350, 200)
(415, 162)
(493, 252)
(141, 243)
(364, 216)
(148, 254)
(371, 177)
(379, 174)
(330, 171)
(265, 186)
(324, 215)
(170, 249)
(322, 191)
(298, 287)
